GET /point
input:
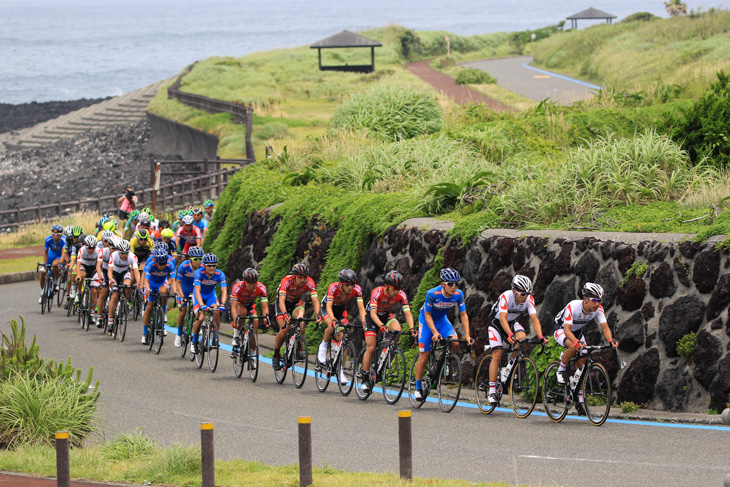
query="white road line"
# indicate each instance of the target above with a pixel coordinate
(618, 462)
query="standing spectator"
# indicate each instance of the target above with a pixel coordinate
(127, 203)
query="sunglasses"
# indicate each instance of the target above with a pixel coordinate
(595, 300)
(522, 294)
(196, 259)
(451, 284)
(211, 265)
(123, 253)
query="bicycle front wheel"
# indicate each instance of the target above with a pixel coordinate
(523, 387)
(361, 393)
(253, 357)
(280, 374)
(61, 291)
(122, 324)
(347, 367)
(597, 394)
(322, 371)
(87, 309)
(449, 387)
(300, 363)
(412, 384)
(202, 340)
(554, 396)
(49, 300)
(213, 348)
(481, 385)
(159, 330)
(394, 375)
(239, 359)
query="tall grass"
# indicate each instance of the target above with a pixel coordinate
(36, 233)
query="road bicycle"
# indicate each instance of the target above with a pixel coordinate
(187, 328)
(443, 374)
(121, 313)
(341, 361)
(389, 369)
(83, 303)
(137, 304)
(62, 279)
(208, 343)
(48, 288)
(242, 356)
(593, 381)
(156, 328)
(294, 356)
(520, 377)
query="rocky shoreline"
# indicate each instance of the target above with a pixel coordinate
(16, 117)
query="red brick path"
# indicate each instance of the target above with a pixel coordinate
(37, 250)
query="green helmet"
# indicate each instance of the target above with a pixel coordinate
(134, 214)
(208, 203)
(77, 231)
(109, 225)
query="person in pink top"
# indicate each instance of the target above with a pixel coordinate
(127, 203)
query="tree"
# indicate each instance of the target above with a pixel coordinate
(675, 7)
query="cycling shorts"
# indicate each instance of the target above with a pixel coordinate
(250, 308)
(371, 329)
(560, 338)
(425, 335)
(187, 291)
(155, 288)
(290, 306)
(53, 256)
(339, 313)
(208, 300)
(497, 334)
(119, 278)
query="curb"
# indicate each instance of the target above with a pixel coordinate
(19, 277)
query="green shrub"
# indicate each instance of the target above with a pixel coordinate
(629, 407)
(272, 130)
(128, 446)
(471, 76)
(389, 112)
(640, 17)
(686, 345)
(637, 270)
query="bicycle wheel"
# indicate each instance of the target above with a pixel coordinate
(44, 297)
(79, 305)
(151, 328)
(554, 396)
(347, 366)
(394, 375)
(87, 308)
(412, 385)
(137, 306)
(597, 394)
(61, 290)
(202, 340)
(280, 374)
(239, 360)
(301, 362)
(184, 342)
(523, 387)
(481, 385)
(159, 330)
(359, 391)
(122, 324)
(253, 358)
(449, 387)
(322, 371)
(49, 300)
(213, 348)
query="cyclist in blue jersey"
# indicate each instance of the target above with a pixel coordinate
(207, 278)
(55, 244)
(157, 273)
(184, 286)
(208, 205)
(433, 322)
(200, 222)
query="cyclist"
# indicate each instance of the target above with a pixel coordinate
(119, 272)
(380, 318)
(208, 205)
(157, 273)
(167, 242)
(190, 234)
(176, 224)
(74, 241)
(243, 303)
(142, 245)
(569, 330)
(183, 285)
(102, 267)
(131, 225)
(85, 265)
(290, 304)
(54, 245)
(109, 224)
(333, 308)
(503, 324)
(433, 323)
(207, 278)
(200, 222)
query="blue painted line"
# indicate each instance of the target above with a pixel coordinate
(468, 405)
(525, 65)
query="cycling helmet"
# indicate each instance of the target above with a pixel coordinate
(160, 256)
(163, 224)
(181, 214)
(134, 215)
(142, 234)
(209, 259)
(187, 220)
(77, 231)
(197, 211)
(160, 245)
(123, 245)
(250, 275)
(167, 233)
(394, 278)
(591, 290)
(195, 252)
(106, 235)
(147, 210)
(57, 228)
(68, 231)
(109, 224)
(144, 222)
(90, 241)
(300, 269)
(522, 284)
(103, 219)
(449, 275)
(208, 203)
(347, 275)
(114, 241)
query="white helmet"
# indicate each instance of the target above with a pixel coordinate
(187, 220)
(122, 245)
(90, 241)
(522, 284)
(591, 290)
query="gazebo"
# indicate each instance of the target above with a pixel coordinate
(590, 14)
(343, 40)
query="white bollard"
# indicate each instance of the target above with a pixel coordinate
(726, 416)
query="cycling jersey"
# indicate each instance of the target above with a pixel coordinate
(383, 304)
(55, 249)
(246, 297)
(119, 265)
(336, 295)
(104, 258)
(71, 247)
(115, 232)
(186, 276)
(157, 276)
(208, 283)
(141, 248)
(170, 246)
(293, 291)
(507, 304)
(438, 305)
(573, 315)
(209, 217)
(190, 237)
(202, 225)
(87, 258)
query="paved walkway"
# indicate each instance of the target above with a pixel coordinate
(446, 84)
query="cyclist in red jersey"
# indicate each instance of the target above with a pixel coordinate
(243, 303)
(339, 295)
(380, 318)
(290, 304)
(190, 234)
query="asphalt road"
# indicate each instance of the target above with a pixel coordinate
(516, 75)
(168, 398)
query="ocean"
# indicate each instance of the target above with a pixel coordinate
(71, 49)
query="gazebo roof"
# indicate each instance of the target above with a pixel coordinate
(591, 13)
(346, 39)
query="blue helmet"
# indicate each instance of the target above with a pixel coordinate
(450, 275)
(195, 252)
(209, 259)
(160, 256)
(57, 228)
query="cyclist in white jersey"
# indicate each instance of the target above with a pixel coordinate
(86, 258)
(120, 264)
(569, 328)
(502, 323)
(102, 266)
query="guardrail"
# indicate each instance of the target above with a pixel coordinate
(241, 113)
